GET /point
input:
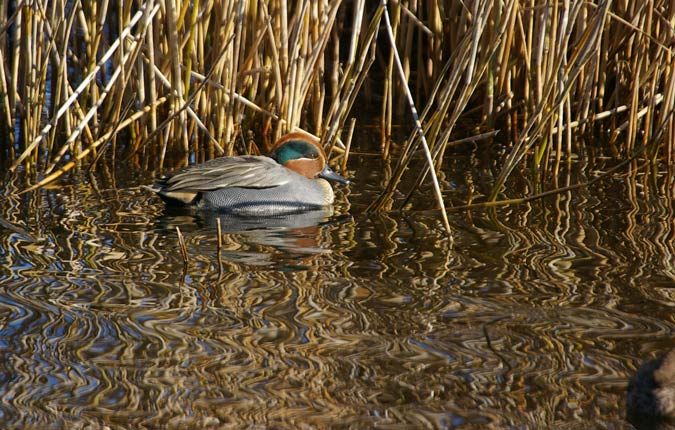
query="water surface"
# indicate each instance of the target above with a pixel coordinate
(528, 316)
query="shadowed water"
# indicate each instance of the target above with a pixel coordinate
(529, 316)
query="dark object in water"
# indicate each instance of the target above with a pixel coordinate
(650, 402)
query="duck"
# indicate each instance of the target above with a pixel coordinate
(651, 391)
(292, 178)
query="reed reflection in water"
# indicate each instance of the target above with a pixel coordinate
(533, 317)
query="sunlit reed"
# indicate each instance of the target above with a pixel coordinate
(198, 73)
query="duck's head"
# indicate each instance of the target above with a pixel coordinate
(303, 154)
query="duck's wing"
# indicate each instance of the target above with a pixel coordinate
(243, 171)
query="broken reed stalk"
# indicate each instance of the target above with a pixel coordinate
(219, 246)
(128, 58)
(183, 250)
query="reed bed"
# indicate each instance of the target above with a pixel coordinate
(197, 75)
(204, 78)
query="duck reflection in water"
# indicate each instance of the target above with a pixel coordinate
(650, 402)
(296, 234)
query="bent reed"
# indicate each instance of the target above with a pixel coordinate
(193, 77)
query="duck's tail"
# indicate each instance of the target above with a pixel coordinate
(174, 198)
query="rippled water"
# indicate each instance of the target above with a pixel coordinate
(530, 316)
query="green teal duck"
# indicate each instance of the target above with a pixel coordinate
(292, 179)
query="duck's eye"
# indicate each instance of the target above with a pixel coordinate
(313, 155)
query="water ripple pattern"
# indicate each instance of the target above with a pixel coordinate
(532, 316)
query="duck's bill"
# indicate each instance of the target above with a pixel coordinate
(328, 174)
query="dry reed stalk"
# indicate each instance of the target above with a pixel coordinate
(348, 144)
(174, 50)
(553, 95)
(104, 138)
(77, 93)
(183, 250)
(360, 59)
(388, 88)
(127, 60)
(457, 81)
(219, 246)
(418, 124)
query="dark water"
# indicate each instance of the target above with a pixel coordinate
(532, 316)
